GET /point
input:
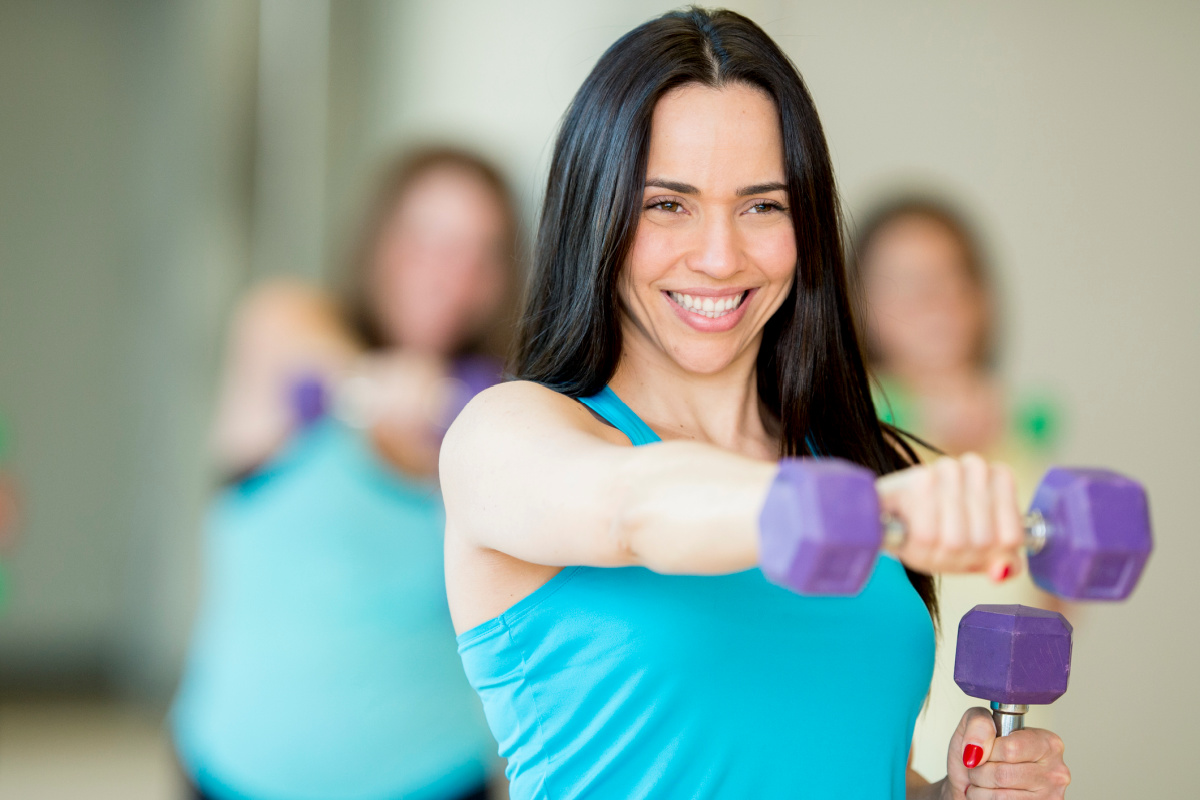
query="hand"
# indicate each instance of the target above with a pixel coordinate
(960, 514)
(397, 393)
(1029, 762)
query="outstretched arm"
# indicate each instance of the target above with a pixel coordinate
(531, 473)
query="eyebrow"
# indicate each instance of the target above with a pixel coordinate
(687, 188)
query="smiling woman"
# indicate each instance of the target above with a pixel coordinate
(687, 327)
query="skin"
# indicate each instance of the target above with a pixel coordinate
(437, 273)
(928, 318)
(714, 220)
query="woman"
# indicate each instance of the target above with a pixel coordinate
(929, 332)
(323, 665)
(687, 325)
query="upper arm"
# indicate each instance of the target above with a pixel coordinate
(529, 472)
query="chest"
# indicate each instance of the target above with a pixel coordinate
(738, 636)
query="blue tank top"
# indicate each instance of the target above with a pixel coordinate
(323, 662)
(624, 683)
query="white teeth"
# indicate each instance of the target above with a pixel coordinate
(707, 306)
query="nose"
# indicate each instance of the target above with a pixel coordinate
(716, 248)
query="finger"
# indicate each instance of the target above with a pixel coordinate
(978, 495)
(1010, 527)
(1003, 775)
(978, 736)
(911, 496)
(952, 517)
(1027, 746)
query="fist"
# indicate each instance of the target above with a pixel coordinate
(981, 766)
(960, 515)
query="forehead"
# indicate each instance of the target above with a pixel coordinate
(710, 137)
(916, 241)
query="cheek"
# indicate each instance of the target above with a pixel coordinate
(776, 257)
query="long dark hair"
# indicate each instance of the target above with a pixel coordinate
(811, 379)
(397, 177)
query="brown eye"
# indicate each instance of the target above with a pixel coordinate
(667, 205)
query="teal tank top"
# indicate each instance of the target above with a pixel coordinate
(323, 663)
(624, 683)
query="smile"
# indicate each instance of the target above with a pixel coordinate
(711, 307)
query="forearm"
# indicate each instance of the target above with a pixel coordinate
(686, 508)
(281, 333)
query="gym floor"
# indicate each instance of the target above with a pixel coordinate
(65, 748)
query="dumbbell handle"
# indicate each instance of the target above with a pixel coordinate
(1008, 717)
(895, 532)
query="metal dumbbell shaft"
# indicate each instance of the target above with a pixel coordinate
(1036, 529)
(1008, 717)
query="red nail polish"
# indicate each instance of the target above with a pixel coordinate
(971, 755)
(1006, 572)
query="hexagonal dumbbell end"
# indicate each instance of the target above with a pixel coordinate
(1097, 534)
(819, 530)
(1013, 656)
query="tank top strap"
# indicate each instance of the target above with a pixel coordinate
(613, 409)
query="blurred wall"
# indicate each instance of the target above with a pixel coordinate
(124, 214)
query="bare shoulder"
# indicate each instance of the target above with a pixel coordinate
(520, 410)
(280, 304)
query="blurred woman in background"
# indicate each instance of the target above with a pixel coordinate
(323, 663)
(930, 335)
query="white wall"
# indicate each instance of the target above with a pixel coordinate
(1069, 129)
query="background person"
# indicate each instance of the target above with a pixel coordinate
(322, 664)
(930, 329)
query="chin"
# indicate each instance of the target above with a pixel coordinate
(702, 360)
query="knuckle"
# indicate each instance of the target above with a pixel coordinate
(1004, 774)
(949, 470)
(1006, 749)
(1002, 476)
(924, 480)
(975, 467)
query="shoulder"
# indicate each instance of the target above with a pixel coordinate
(515, 404)
(283, 303)
(515, 416)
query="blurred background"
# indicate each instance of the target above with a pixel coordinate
(156, 158)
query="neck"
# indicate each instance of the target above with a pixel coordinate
(720, 408)
(926, 380)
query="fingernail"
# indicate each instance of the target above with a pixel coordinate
(999, 575)
(971, 755)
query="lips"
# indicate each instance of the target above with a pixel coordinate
(708, 306)
(710, 311)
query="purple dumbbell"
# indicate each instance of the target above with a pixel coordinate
(1087, 531)
(1013, 657)
(1089, 534)
(308, 399)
